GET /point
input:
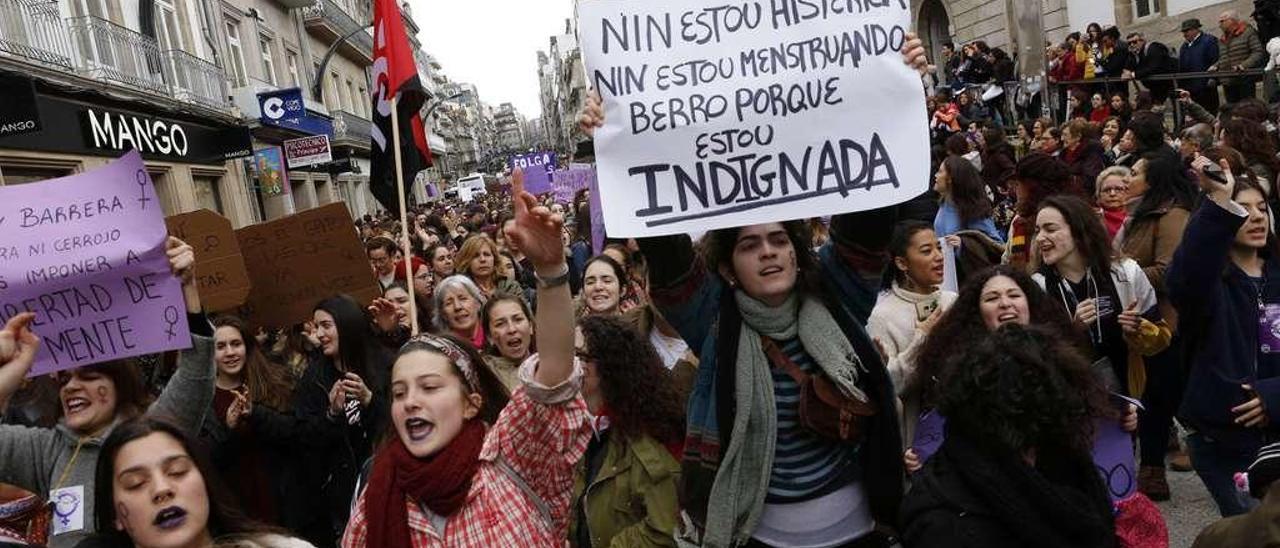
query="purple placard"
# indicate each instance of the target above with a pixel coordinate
(1113, 455)
(86, 253)
(537, 169)
(597, 212)
(929, 435)
(1112, 451)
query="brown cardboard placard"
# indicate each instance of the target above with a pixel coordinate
(220, 273)
(295, 262)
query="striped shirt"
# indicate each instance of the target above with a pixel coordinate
(805, 466)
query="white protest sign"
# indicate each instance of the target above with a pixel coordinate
(722, 115)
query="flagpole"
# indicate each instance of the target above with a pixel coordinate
(404, 215)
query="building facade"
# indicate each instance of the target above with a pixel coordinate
(99, 77)
(197, 69)
(962, 21)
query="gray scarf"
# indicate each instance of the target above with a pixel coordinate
(737, 496)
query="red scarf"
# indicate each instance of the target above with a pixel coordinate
(440, 483)
(1114, 219)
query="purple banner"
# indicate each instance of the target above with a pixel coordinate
(567, 182)
(1112, 451)
(929, 434)
(86, 253)
(1113, 455)
(537, 168)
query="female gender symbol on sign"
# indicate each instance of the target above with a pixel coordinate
(171, 318)
(65, 506)
(142, 188)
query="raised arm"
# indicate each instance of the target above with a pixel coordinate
(189, 394)
(537, 232)
(24, 452)
(1198, 264)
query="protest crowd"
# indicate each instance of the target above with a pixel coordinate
(793, 383)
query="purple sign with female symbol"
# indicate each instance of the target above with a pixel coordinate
(86, 253)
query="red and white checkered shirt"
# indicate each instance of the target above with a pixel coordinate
(542, 444)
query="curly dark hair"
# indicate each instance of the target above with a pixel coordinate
(962, 325)
(1252, 140)
(1022, 388)
(637, 388)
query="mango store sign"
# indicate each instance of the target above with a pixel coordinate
(766, 110)
(86, 253)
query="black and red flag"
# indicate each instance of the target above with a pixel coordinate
(395, 75)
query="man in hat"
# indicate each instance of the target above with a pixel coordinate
(1199, 52)
(1256, 529)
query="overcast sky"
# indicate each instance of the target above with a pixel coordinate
(493, 44)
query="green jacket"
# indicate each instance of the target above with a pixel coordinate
(632, 501)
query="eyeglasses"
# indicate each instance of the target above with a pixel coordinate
(1114, 190)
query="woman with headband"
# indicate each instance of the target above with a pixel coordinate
(460, 469)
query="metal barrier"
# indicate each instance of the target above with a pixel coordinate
(111, 52)
(1114, 84)
(32, 29)
(196, 80)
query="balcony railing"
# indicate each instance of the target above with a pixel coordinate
(111, 52)
(329, 13)
(196, 80)
(351, 127)
(31, 29)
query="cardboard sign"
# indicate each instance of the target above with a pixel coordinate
(295, 262)
(221, 276)
(86, 253)
(754, 112)
(308, 151)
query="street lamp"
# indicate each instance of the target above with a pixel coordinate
(324, 61)
(437, 104)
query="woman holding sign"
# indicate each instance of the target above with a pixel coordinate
(1225, 282)
(758, 313)
(462, 469)
(96, 398)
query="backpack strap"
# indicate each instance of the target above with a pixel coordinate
(780, 360)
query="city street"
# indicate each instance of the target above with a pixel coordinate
(1189, 511)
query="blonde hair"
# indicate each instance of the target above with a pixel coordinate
(470, 250)
(1121, 171)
